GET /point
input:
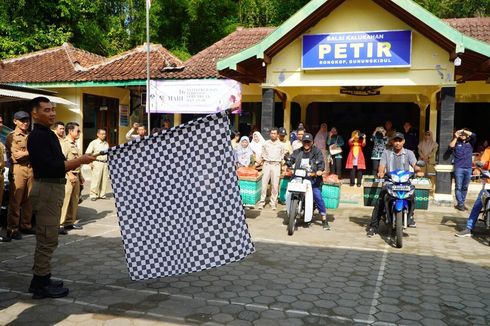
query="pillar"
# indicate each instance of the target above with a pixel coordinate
(287, 116)
(268, 103)
(445, 133)
(177, 119)
(422, 126)
(237, 121)
(433, 114)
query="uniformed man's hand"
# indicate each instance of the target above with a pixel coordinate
(319, 173)
(72, 178)
(20, 154)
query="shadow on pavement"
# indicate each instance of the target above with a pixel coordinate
(279, 284)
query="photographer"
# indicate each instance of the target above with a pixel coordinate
(462, 147)
(355, 161)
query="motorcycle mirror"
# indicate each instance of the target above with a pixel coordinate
(479, 164)
(420, 163)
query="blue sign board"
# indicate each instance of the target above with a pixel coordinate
(381, 49)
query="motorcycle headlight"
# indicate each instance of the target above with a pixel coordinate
(400, 176)
(300, 173)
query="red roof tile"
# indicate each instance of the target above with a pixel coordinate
(67, 63)
(131, 65)
(478, 28)
(203, 64)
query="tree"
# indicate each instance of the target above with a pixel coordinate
(457, 8)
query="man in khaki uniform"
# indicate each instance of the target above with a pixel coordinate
(272, 155)
(59, 130)
(21, 178)
(2, 182)
(74, 179)
(100, 171)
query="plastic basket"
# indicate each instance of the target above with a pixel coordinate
(331, 196)
(371, 195)
(283, 187)
(422, 199)
(250, 191)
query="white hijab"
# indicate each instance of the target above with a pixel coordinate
(257, 146)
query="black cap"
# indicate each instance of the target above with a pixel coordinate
(307, 137)
(282, 131)
(19, 115)
(398, 135)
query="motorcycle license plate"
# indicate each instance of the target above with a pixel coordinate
(296, 187)
(401, 188)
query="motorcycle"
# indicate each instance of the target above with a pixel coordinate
(399, 202)
(485, 197)
(296, 197)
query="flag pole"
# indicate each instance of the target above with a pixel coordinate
(148, 63)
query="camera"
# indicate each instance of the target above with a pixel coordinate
(289, 160)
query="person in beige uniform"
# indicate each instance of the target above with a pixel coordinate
(272, 155)
(285, 142)
(72, 188)
(21, 178)
(100, 171)
(3, 238)
(59, 130)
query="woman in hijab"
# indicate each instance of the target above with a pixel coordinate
(256, 144)
(427, 152)
(321, 143)
(243, 152)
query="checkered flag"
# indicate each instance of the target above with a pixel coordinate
(178, 201)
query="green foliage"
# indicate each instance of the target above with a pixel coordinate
(457, 8)
(185, 27)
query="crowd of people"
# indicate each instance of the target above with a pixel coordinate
(17, 157)
(269, 156)
(333, 147)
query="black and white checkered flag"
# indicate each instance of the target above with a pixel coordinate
(178, 201)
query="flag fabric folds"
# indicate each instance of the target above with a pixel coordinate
(178, 201)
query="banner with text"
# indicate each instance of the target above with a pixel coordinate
(382, 49)
(194, 96)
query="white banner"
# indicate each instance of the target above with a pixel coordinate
(199, 96)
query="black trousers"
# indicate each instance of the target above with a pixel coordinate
(337, 166)
(375, 167)
(353, 172)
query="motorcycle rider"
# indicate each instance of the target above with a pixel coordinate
(478, 205)
(392, 159)
(310, 158)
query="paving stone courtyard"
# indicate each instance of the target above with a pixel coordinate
(316, 277)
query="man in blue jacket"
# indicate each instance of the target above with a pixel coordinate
(462, 146)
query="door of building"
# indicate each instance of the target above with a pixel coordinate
(100, 113)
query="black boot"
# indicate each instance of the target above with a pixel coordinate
(43, 287)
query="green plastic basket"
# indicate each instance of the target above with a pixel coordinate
(371, 195)
(250, 191)
(331, 196)
(422, 199)
(283, 187)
